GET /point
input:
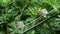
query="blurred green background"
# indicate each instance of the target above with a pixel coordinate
(13, 11)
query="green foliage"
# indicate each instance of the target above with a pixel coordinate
(4, 3)
(32, 11)
(13, 11)
(53, 3)
(50, 27)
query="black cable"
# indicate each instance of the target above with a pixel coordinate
(54, 15)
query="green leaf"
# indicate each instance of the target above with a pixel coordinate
(4, 3)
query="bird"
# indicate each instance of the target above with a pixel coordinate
(20, 24)
(43, 12)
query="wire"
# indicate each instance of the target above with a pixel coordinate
(32, 22)
(37, 18)
(14, 31)
(38, 24)
(41, 21)
(40, 16)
